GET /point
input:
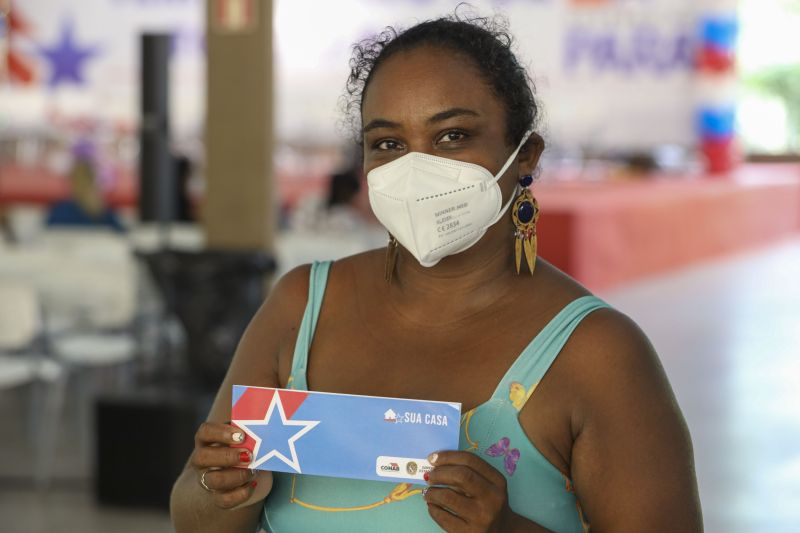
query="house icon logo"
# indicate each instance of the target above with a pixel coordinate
(390, 416)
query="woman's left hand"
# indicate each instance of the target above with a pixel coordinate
(475, 497)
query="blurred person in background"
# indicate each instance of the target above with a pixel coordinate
(6, 231)
(568, 418)
(336, 212)
(86, 205)
(184, 208)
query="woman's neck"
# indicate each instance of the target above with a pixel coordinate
(459, 286)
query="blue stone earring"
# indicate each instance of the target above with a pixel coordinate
(525, 215)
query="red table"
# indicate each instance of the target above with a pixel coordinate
(602, 233)
(20, 184)
(607, 233)
(41, 186)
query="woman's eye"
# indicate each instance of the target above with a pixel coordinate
(387, 145)
(452, 136)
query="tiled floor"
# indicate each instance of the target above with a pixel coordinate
(73, 511)
(729, 336)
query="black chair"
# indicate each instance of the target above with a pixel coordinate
(145, 435)
(214, 294)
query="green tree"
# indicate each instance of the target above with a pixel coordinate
(782, 82)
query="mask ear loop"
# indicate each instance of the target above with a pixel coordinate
(513, 156)
(503, 171)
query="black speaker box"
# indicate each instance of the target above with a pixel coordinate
(156, 172)
(144, 439)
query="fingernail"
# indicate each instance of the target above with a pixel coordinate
(244, 457)
(238, 436)
(254, 484)
(432, 458)
(425, 476)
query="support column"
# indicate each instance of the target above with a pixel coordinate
(239, 201)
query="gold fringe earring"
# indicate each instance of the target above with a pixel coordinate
(391, 258)
(525, 215)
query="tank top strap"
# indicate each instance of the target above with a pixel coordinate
(530, 367)
(318, 280)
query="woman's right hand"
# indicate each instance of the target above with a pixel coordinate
(222, 470)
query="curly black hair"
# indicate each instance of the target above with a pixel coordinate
(485, 40)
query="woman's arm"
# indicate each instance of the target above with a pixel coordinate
(236, 505)
(632, 463)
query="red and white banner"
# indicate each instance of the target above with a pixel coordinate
(611, 73)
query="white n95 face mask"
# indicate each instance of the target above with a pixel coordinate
(436, 206)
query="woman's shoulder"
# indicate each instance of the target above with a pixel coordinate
(607, 350)
(283, 308)
(552, 289)
(292, 287)
(362, 268)
(607, 345)
(289, 295)
(624, 413)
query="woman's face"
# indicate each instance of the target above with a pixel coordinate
(433, 101)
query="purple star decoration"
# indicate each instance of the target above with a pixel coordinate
(67, 58)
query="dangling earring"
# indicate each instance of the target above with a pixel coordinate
(525, 214)
(391, 258)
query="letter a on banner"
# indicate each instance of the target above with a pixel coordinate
(235, 16)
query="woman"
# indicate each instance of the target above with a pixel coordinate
(86, 205)
(575, 427)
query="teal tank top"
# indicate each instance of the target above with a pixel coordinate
(536, 488)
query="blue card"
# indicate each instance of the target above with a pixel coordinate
(343, 435)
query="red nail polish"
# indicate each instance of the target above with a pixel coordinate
(244, 457)
(254, 484)
(425, 476)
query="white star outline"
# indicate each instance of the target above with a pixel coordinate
(294, 461)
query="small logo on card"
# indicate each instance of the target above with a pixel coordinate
(418, 418)
(391, 467)
(401, 467)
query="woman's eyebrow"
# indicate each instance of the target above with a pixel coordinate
(379, 123)
(453, 112)
(438, 117)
